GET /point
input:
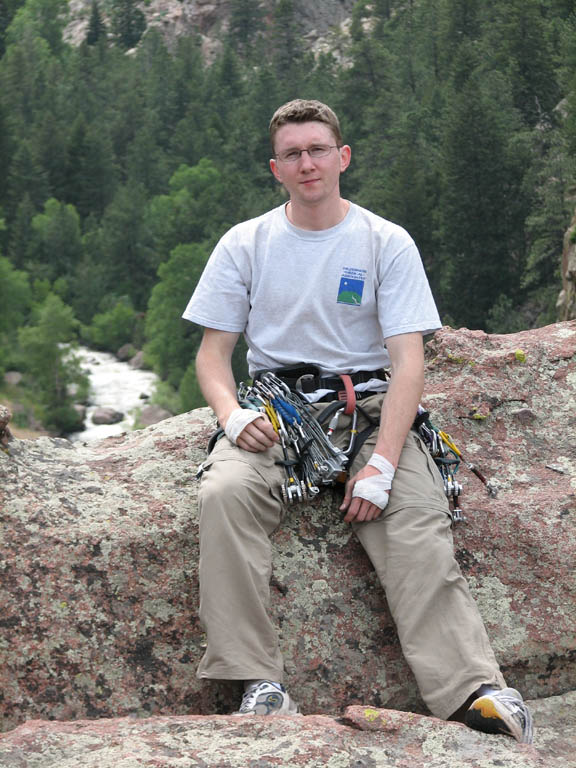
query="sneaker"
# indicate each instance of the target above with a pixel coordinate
(501, 712)
(266, 698)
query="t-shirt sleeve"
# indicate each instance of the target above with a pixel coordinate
(405, 301)
(221, 299)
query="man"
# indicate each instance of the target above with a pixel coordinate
(321, 280)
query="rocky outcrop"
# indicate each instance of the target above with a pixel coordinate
(320, 22)
(363, 738)
(100, 551)
(566, 304)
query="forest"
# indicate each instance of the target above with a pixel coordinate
(122, 162)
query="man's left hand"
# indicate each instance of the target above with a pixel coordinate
(357, 509)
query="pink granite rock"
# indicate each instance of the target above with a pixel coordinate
(99, 590)
(364, 737)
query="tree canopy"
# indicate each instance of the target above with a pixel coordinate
(122, 162)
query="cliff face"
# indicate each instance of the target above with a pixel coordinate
(99, 543)
(318, 21)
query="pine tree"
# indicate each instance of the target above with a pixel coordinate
(246, 23)
(128, 22)
(96, 27)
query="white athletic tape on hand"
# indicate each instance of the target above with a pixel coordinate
(383, 466)
(375, 488)
(239, 419)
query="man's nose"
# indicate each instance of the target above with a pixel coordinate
(306, 158)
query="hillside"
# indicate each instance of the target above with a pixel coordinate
(321, 24)
(126, 155)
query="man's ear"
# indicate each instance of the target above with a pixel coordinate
(345, 156)
(275, 170)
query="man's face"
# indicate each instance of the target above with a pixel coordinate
(308, 180)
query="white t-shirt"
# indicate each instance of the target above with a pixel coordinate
(330, 297)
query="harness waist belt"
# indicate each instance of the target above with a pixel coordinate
(308, 378)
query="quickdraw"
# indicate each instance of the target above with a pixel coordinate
(318, 461)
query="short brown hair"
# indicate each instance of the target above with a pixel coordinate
(305, 111)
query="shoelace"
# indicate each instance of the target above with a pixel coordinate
(520, 711)
(514, 704)
(249, 698)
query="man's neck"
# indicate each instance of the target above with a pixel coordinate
(317, 217)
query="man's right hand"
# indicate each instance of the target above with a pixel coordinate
(256, 435)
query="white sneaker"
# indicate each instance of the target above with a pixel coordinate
(267, 698)
(501, 712)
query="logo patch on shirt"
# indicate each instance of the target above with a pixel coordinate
(351, 286)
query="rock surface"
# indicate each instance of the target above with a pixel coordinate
(152, 414)
(322, 23)
(363, 738)
(99, 590)
(566, 304)
(106, 415)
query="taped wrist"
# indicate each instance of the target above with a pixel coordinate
(239, 419)
(375, 488)
(385, 468)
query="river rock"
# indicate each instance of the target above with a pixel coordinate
(152, 414)
(100, 556)
(137, 361)
(126, 352)
(107, 416)
(13, 378)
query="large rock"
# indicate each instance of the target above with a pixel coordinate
(99, 576)
(566, 303)
(106, 415)
(364, 738)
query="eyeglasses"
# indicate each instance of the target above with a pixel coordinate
(318, 150)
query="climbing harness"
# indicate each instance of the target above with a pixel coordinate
(311, 460)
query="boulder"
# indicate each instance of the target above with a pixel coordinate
(137, 361)
(364, 737)
(125, 352)
(152, 414)
(103, 415)
(100, 551)
(566, 303)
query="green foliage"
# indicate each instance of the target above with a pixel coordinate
(128, 22)
(245, 25)
(190, 395)
(51, 370)
(119, 172)
(193, 211)
(56, 244)
(114, 328)
(47, 18)
(15, 301)
(172, 341)
(96, 27)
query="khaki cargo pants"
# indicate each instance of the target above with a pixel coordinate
(440, 629)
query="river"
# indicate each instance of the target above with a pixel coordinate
(113, 384)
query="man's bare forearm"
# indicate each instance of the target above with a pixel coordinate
(404, 393)
(214, 372)
(216, 380)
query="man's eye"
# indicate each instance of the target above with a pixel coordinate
(293, 155)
